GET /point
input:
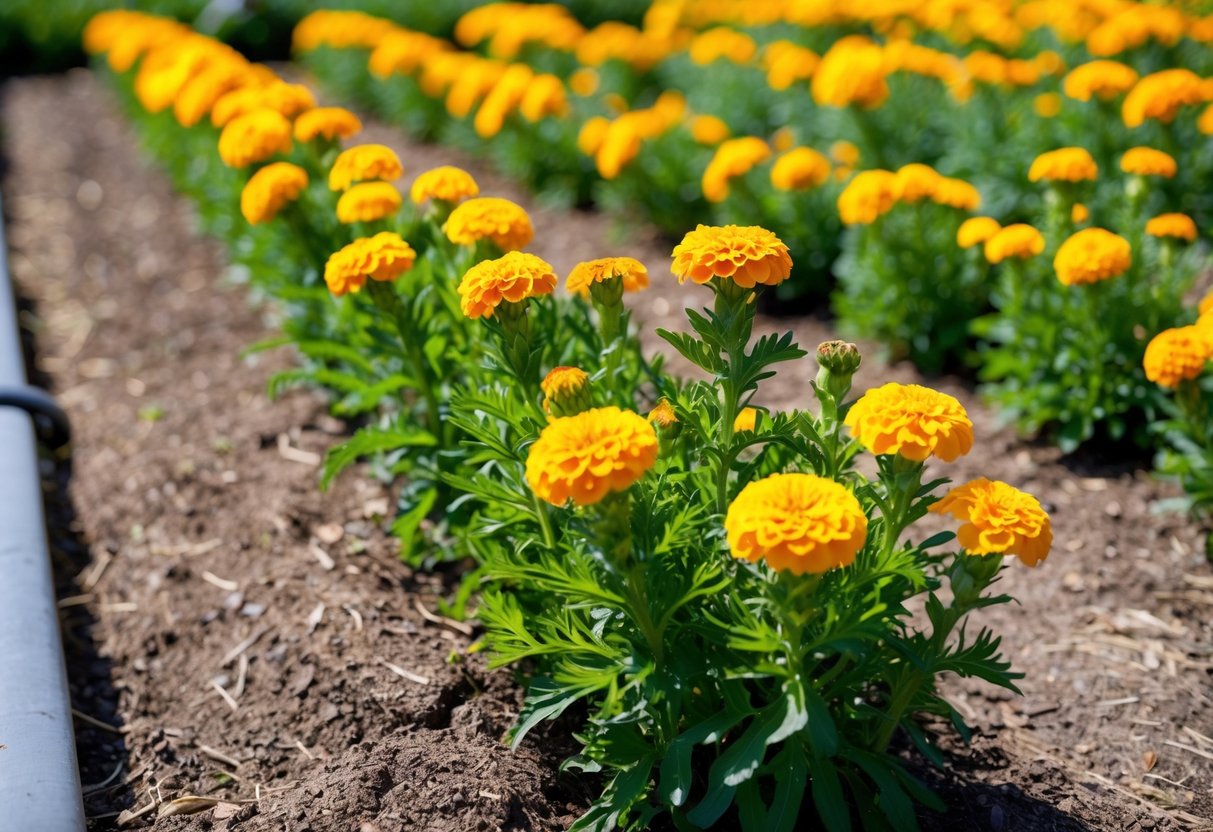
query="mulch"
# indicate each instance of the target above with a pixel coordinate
(237, 635)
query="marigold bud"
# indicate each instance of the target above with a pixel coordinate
(566, 391)
(838, 362)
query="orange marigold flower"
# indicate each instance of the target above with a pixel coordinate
(1205, 307)
(1067, 164)
(383, 257)
(663, 414)
(566, 391)
(1179, 226)
(633, 273)
(844, 153)
(584, 82)
(801, 523)
(368, 201)
(786, 63)
(851, 72)
(489, 218)
(1146, 161)
(1079, 213)
(746, 254)
(277, 95)
(585, 457)
(1161, 96)
(1092, 255)
(1047, 104)
(913, 421)
(1100, 79)
(733, 158)
(445, 183)
(746, 420)
(254, 137)
(976, 230)
(364, 162)
(799, 169)
(1179, 354)
(998, 519)
(867, 197)
(513, 278)
(327, 122)
(956, 193)
(709, 130)
(722, 42)
(1018, 240)
(592, 134)
(916, 182)
(270, 188)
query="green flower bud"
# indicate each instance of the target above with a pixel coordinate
(838, 361)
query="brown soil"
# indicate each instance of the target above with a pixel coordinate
(198, 561)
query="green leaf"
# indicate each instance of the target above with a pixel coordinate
(676, 775)
(823, 735)
(791, 774)
(545, 699)
(624, 790)
(371, 440)
(776, 722)
(406, 525)
(713, 806)
(832, 808)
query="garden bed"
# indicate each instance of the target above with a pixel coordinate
(207, 568)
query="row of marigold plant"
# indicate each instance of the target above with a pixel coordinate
(720, 589)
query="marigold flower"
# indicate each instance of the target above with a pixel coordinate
(851, 72)
(545, 96)
(1176, 355)
(633, 273)
(722, 42)
(733, 158)
(747, 255)
(1179, 226)
(1067, 164)
(200, 94)
(277, 95)
(867, 197)
(489, 218)
(514, 278)
(1092, 255)
(584, 82)
(1018, 240)
(913, 421)
(445, 183)
(786, 63)
(998, 519)
(327, 122)
(254, 137)
(663, 415)
(1205, 122)
(364, 162)
(709, 130)
(1100, 79)
(566, 391)
(592, 134)
(844, 153)
(1205, 307)
(368, 201)
(383, 257)
(976, 230)
(1161, 96)
(1047, 104)
(799, 169)
(585, 457)
(746, 420)
(916, 182)
(270, 188)
(1079, 213)
(956, 193)
(801, 523)
(1146, 161)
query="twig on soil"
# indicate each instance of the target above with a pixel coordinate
(96, 723)
(74, 601)
(120, 606)
(314, 618)
(489, 795)
(227, 697)
(292, 454)
(299, 744)
(1191, 749)
(104, 784)
(1196, 735)
(88, 580)
(322, 557)
(236, 651)
(219, 755)
(214, 580)
(405, 674)
(354, 614)
(130, 816)
(442, 621)
(1112, 703)
(241, 677)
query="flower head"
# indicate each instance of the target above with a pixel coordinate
(445, 184)
(799, 169)
(746, 420)
(1160, 96)
(1179, 354)
(916, 182)
(633, 273)
(1018, 240)
(998, 519)
(254, 137)
(383, 257)
(663, 415)
(513, 277)
(913, 421)
(956, 193)
(1068, 164)
(489, 218)
(362, 163)
(867, 197)
(368, 201)
(746, 254)
(1205, 307)
(326, 122)
(709, 130)
(1079, 213)
(270, 188)
(1101, 79)
(801, 523)
(852, 72)
(587, 456)
(1146, 161)
(1092, 255)
(733, 158)
(1179, 226)
(279, 96)
(566, 391)
(976, 230)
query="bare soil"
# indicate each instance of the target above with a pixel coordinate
(236, 635)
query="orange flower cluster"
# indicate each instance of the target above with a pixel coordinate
(383, 257)
(1161, 96)
(998, 519)
(512, 278)
(1146, 161)
(254, 137)
(566, 391)
(910, 420)
(445, 184)
(851, 72)
(1018, 240)
(368, 201)
(1092, 255)
(747, 255)
(1177, 355)
(632, 272)
(330, 123)
(799, 169)
(976, 230)
(1068, 164)
(1178, 226)
(362, 163)
(269, 189)
(585, 457)
(1099, 79)
(733, 158)
(497, 220)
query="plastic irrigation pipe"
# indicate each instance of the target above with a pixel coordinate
(39, 781)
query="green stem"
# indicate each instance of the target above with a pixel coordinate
(545, 521)
(385, 298)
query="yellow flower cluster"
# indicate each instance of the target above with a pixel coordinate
(1161, 96)
(1018, 240)
(269, 189)
(503, 223)
(566, 391)
(362, 163)
(1178, 226)
(746, 255)
(709, 130)
(722, 43)
(383, 257)
(1067, 164)
(1092, 255)
(1177, 355)
(444, 183)
(873, 193)
(254, 137)
(998, 519)
(799, 169)
(1146, 161)
(976, 230)
(912, 421)
(368, 201)
(1099, 79)
(513, 278)
(585, 457)
(330, 123)
(852, 71)
(733, 158)
(632, 272)
(787, 63)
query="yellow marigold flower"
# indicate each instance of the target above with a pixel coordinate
(368, 201)
(916, 182)
(1047, 104)
(1176, 355)
(1179, 226)
(663, 414)
(489, 218)
(514, 278)
(254, 137)
(585, 457)
(502, 99)
(1079, 213)
(786, 63)
(1018, 240)
(913, 421)
(383, 257)
(545, 96)
(733, 158)
(1100, 79)
(633, 273)
(722, 42)
(287, 99)
(844, 153)
(956, 193)
(869, 196)
(1205, 307)
(590, 137)
(976, 230)
(747, 255)
(709, 130)
(799, 169)
(1160, 96)
(584, 82)
(363, 162)
(998, 519)
(270, 188)
(783, 139)
(851, 72)
(566, 391)
(445, 183)
(1067, 164)
(1146, 161)
(801, 523)
(199, 95)
(746, 420)
(1092, 255)
(327, 122)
